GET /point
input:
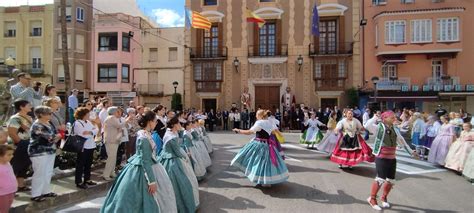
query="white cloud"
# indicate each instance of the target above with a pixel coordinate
(168, 18)
(9, 3)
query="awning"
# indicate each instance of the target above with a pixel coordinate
(395, 61)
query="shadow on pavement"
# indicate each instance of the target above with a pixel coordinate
(220, 203)
(405, 208)
(294, 169)
(369, 172)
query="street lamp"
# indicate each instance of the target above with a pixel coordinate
(375, 80)
(299, 61)
(236, 64)
(175, 85)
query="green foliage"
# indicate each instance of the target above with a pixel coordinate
(353, 96)
(176, 102)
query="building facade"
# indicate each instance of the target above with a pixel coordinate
(236, 55)
(420, 51)
(26, 35)
(79, 15)
(162, 64)
(116, 52)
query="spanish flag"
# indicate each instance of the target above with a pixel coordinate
(196, 20)
(252, 17)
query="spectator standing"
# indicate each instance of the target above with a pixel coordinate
(225, 120)
(219, 119)
(245, 119)
(8, 185)
(51, 92)
(42, 152)
(440, 111)
(86, 129)
(357, 113)
(56, 118)
(252, 117)
(112, 136)
(211, 117)
(235, 118)
(19, 126)
(338, 112)
(23, 90)
(73, 103)
(123, 141)
(133, 128)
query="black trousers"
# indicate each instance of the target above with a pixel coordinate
(386, 168)
(83, 165)
(120, 153)
(21, 160)
(245, 124)
(226, 121)
(236, 124)
(211, 125)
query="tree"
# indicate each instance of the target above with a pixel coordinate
(65, 54)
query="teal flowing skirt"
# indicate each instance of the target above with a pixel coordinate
(183, 188)
(255, 161)
(130, 191)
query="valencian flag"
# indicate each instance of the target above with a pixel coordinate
(252, 17)
(315, 26)
(196, 20)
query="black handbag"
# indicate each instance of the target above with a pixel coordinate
(74, 143)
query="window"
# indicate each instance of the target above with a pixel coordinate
(35, 55)
(60, 41)
(10, 29)
(389, 70)
(421, 30)
(125, 73)
(208, 76)
(80, 14)
(330, 74)
(211, 42)
(10, 52)
(80, 43)
(125, 42)
(394, 32)
(173, 54)
(210, 2)
(379, 2)
(448, 29)
(107, 41)
(68, 13)
(36, 28)
(61, 75)
(328, 36)
(407, 1)
(437, 70)
(376, 35)
(79, 73)
(267, 39)
(107, 73)
(153, 54)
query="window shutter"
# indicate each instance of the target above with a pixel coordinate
(220, 38)
(445, 66)
(199, 41)
(256, 36)
(279, 34)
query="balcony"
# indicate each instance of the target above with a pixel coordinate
(208, 86)
(151, 89)
(208, 54)
(330, 84)
(394, 83)
(445, 83)
(32, 69)
(267, 51)
(334, 49)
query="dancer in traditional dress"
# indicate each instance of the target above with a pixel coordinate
(196, 159)
(174, 159)
(205, 136)
(351, 148)
(136, 187)
(199, 144)
(259, 159)
(468, 170)
(431, 128)
(459, 150)
(440, 147)
(417, 132)
(330, 138)
(387, 137)
(312, 135)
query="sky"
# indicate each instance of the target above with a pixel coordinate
(167, 13)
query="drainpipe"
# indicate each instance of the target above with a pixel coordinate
(363, 48)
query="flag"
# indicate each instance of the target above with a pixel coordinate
(252, 17)
(196, 20)
(315, 26)
(188, 17)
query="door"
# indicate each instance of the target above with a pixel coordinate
(208, 104)
(327, 36)
(267, 97)
(329, 102)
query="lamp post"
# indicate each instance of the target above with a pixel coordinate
(236, 64)
(299, 61)
(375, 80)
(175, 85)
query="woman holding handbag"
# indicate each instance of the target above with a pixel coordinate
(84, 128)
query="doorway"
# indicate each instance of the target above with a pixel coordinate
(267, 97)
(329, 102)
(208, 104)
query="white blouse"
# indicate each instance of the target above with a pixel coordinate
(266, 125)
(80, 127)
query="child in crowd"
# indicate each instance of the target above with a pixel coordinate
(8, 184)
(457, 122)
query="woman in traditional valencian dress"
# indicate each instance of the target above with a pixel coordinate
(204, 136)
(197, 161)
(459, 151)
(174, 159)
(199, 144)
(143, 185)
(431, 128)
(312, 135)
(330, 138)
(440, 147)
(259, 159)
(351, 148)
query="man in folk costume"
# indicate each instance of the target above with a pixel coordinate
(288, 99)
(387, 137)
